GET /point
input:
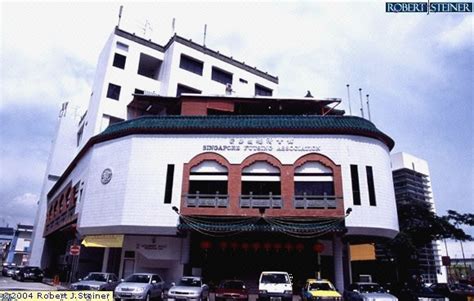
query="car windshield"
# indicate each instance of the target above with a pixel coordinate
(138, 278)
(32, 269)
(275, 278)
(233, 285)
(371, 288)
(96, 277)
(190, 282)
(320, 287)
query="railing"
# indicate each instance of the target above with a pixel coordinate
(315, 201)
(207, 200)
(261, 201)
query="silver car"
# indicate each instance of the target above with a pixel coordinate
(189, 288)
(96, 282)
(367, 291)
(142, 286)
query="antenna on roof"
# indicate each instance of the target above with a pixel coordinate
(146, 27)
(349, 99)
(361, 104)
(173, 30)
(368, 107)
(205, 31)
(120, 15)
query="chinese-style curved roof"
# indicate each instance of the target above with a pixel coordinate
(247, 124)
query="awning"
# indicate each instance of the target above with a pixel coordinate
(103, 241)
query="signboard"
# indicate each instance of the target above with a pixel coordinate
(75, 250)
(103, 241)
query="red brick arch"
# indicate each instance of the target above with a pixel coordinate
(270, 159)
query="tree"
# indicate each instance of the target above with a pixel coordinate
(419, 226)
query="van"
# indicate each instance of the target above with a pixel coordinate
(275, 286)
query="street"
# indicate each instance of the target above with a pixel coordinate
(7, 283)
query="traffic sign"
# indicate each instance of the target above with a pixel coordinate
(75, 250)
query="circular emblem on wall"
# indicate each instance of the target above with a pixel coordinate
(106, 176)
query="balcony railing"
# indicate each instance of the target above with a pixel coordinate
(315, 201)
(261, 201)
(207, 200)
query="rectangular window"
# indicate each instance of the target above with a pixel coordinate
(355, 185)
(185, 89)
(221, 76)
(244, 81)
(262, 90)
(370, 183)
(79, 134)
(149, 66)
(191, 64)
(169, 183)
(119, 61)
(113, 120)
(138, 91)
(122, 46)
(113, 91)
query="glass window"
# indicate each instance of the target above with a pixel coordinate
(370, 183)
(119, 61)
(113, 91)
(355, 185)
(149, 66)
(221, 76)
(262, 90)
(191, 64)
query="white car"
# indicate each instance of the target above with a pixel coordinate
(143, 286)
(96, 282)
(367, 291)
(189, 288)
(275, 286)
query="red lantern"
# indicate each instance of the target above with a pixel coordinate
(234, 245)
(256, 246)
(299, 247)
(318, 247)
(267, 246)
(277, 246)
(245, 246)
(289, 246)
(205, 245)
(223, 245)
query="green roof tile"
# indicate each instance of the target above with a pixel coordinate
(247, 124)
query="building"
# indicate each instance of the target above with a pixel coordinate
(6, 237)
(193, 163)
(412, 181)
(19, 248)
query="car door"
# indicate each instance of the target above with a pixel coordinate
(157, 287)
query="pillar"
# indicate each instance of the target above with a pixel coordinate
(338, 265)
(105, 261)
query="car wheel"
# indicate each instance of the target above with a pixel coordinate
(148, 297)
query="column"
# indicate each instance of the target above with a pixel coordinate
(105, 261)
(338, 266)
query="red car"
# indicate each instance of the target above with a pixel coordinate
(232, 290)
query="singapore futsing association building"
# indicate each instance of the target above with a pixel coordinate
(188, 162)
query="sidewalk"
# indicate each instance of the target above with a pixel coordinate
(62, 286)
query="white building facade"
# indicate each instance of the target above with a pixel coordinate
(188, 182)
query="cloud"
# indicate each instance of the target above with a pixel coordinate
(20, 210)
(459, 35)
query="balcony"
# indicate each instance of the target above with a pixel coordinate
(261, 201)
(315, 201)
(207, 200)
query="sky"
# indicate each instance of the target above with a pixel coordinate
(417, 68)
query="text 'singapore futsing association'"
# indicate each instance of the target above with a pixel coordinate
(55, 296)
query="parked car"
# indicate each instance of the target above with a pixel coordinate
(15, 272)
(97, 282)
(455, 291)
(142, 286)
(360, 291)
(189, 287)
(234, 290)
(319, 289)
(7, 270)
(29, 273)
(406, 292)
(275, 285)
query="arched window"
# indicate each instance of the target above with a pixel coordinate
(314, 186)
(261, 186)
(208, 185)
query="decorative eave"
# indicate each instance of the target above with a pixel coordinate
(233, 124)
